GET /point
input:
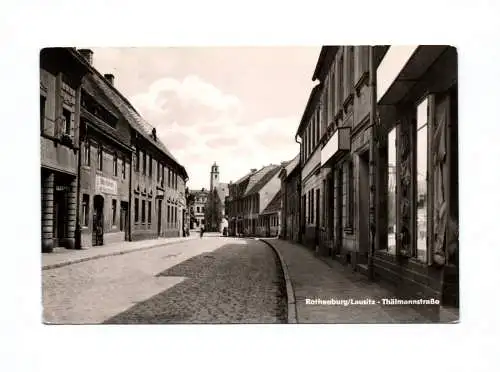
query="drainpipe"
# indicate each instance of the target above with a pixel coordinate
(373, 158)
(129, 217)
(299, 192)
(78, 228)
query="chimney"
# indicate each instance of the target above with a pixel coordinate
(110, 78)
(154, 133)
(87, 54)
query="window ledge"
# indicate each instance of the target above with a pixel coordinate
(349, 230)
(348, 101)
(363, 79)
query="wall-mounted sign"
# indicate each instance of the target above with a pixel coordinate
(338, 142)
(106, 185)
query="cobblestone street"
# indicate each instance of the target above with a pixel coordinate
(213, 280)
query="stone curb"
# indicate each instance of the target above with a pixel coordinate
(79, 260)
(290, 293)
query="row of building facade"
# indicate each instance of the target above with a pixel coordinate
(105, 176)
(375, 183)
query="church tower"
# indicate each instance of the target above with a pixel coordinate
(214, 177)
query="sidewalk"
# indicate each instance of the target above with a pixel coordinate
(311, 278)
(66, 257)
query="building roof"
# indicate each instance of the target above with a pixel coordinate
(274, 205)
(310, 106)
(262, 177)
(222, 190)
(136, 121)
(290, 167)
(325, 59)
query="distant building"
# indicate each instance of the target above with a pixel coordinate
(216, 209)
(290, 200)
(200, 200)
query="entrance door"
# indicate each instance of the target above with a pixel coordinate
(158, 214)
(338, 208)
(98, 221)
(124, 218)
(317, 218)
(364, 206)
(60, 214)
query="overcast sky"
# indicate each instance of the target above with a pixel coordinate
(237, 106)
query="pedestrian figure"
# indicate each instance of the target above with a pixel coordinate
(202, 230)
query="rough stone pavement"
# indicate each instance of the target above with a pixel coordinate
(213, 280)
(240, 282)
(314, 279)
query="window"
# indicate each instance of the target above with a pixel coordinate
(340, 89)
(168, 214)
(349, 71)
(421, 194)
(137, 160)
(144, 162)
(162, 175)
(150, 166)
(158, 175)
(202, 209)
(324, 204)
(115, 165)
(313, 129)
(350, 194)
(86, 153)
(67, 121)
(85, 210)
(391, 192)
(124, 169)
(361, 61)
(175, 217)
(136, 210)
(149, 211)
(43, 103)
(143, 211)
(169, 178)
(331, 100)
(99, 157)
(113, 208)
(197, 209)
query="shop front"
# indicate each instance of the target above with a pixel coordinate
(337, 169)
(416, 245)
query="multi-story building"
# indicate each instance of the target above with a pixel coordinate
(61, 73)
(290, 177)
(416, 171)
(310, 163)
(155, 204)
(198, 207)
(234, 203)
(92, 140)
(105, 158)
(261, 188)
(270, 218)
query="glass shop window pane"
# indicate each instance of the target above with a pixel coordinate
(391, 192)
(421, 201)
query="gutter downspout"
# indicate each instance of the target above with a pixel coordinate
(373, 160)
(78, 228)
(299, 190)
(130, 193)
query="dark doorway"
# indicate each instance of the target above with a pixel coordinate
(98, 221)
(364, 206)
(318, 207)
(338, 208)
(124, 218)
(158, 217)
(60, 214)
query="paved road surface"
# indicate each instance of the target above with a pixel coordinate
(209, 280)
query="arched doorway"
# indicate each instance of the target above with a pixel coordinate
(98, 221)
